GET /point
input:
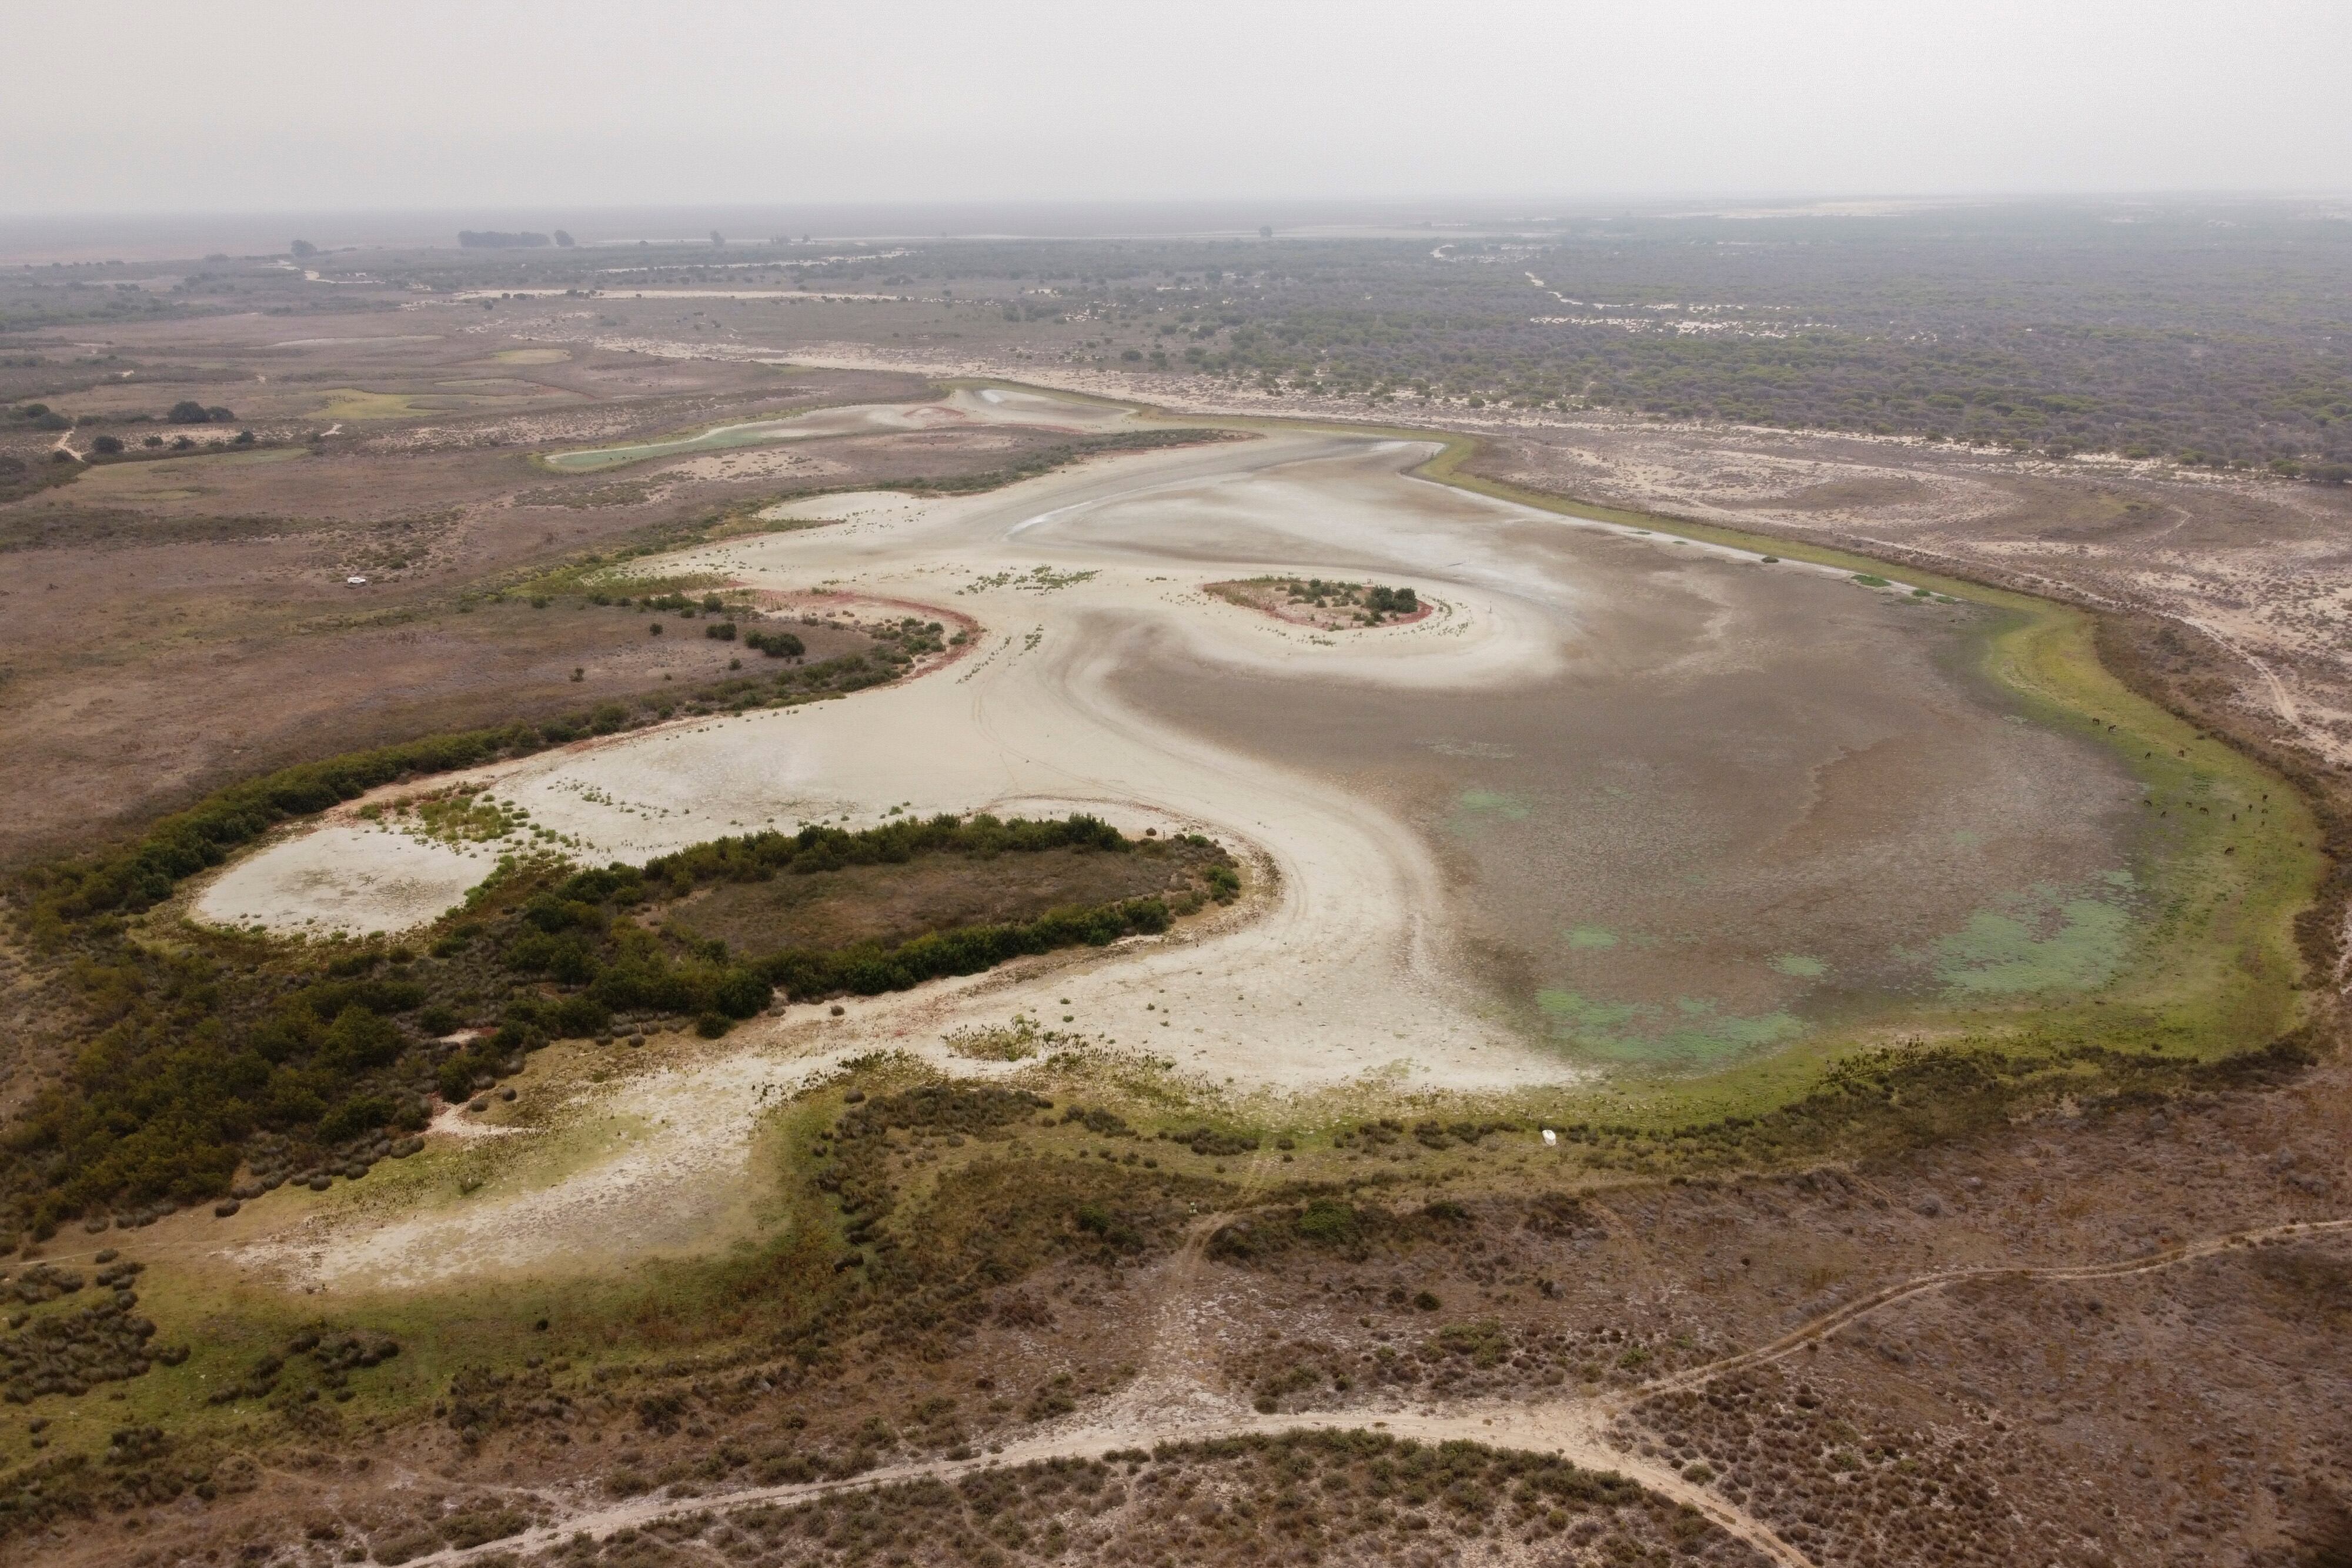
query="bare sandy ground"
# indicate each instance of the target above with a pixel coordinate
(346, 875)
(644, 1143)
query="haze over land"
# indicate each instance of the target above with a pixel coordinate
(1504, 825)
(531, 106)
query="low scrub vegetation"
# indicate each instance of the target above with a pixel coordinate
(1298, 1498)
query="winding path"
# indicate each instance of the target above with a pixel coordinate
(1170, 1402)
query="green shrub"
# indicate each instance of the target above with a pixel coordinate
(582, 1016)
(1329, 1221)
(352, 1117)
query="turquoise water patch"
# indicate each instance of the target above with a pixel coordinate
(1799, 967)
(1697, 1033)
(1587, 937)
(1476, 810)
(2041, 941)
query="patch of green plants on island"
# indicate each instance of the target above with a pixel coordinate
(1372, 603)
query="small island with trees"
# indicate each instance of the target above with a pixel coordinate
(1326, 605)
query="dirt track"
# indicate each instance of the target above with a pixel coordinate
(1160, 1409)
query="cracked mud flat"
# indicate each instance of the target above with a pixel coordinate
(1620, 797)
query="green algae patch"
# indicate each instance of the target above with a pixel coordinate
(1798, 966)
(2041, 943)
(1694, 1033)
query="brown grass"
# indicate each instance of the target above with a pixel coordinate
(893, 904)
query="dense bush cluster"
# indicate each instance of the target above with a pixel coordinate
(334, 1355)
(1837, 1493)
(201, 1060)
(70, 1352)
(40, 416)
(1208, 1141)
(776, 644)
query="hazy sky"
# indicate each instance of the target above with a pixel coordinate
(264, 107)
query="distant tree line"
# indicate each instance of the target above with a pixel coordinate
(2214, 338)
